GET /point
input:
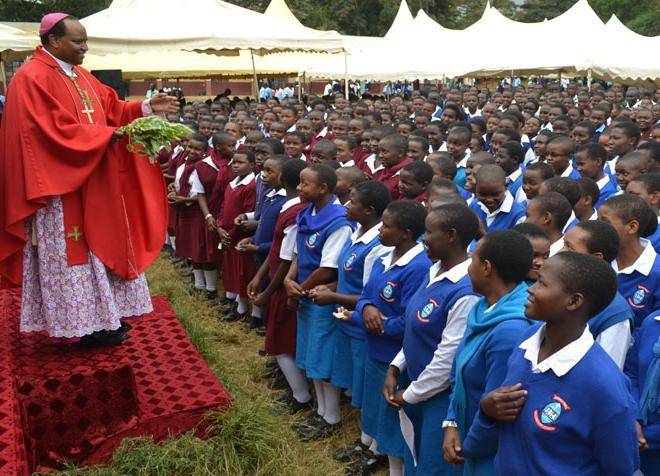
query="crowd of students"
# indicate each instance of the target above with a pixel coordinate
(475, 270)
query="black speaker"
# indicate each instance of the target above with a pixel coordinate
(112, 78)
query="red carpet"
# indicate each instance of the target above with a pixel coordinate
(62, 403)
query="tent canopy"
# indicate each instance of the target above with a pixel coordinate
(136, 26)
(15, 43)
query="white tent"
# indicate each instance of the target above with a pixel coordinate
(628, 56)
(138, 26)
(15, 44)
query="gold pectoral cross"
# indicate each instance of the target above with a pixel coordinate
(89, 112)
(75, 234)
(86, 101)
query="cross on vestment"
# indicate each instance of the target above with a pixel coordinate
(75, 234)
(88, 110)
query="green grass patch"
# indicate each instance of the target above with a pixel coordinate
(248, 439)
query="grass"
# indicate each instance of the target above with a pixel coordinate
(250, 438)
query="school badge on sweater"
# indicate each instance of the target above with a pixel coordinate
(547, 418)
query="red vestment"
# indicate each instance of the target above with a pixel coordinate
(52, 144)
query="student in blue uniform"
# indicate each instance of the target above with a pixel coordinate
(637, 264)
(643, 369)
(499, 266)
(647, 187)
(368, 201)
(540, 247)
(611, 327)
(510, 157)
(590, 160)
(570, 189)
(559, 154)
(395, 278)
(495, 206)
(322, 229)
(435, 322)
(551, 212)
(564, 407)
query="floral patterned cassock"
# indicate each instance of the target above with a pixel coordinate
(72, 301)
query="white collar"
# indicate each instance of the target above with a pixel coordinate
(570, 220)
(359, 237)
(66, 67)
(562, 361)
(454, 274)
(292, 128)
(350, 163)
(303, 158)
(505, 206)
(568, 171)
(594, 216)
(272, 192)
(643, 263)
(209, 160)
(556, 247)
(514, 176)
(245, 181)
(405, 259)
(463, 162)
(323, 132)
(602, 182)
(289, 203)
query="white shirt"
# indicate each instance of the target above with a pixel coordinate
(350, 163)
(463, 161)
(241, 181)
(562, 361)
(602, 182)
(403, 260)
(371, 161)
(568, 171)
(594, 215)
(435, 376)
(270, 194)
(556, 247)
(196, 187)
(616, 341)
(290, 233)
(520, 194)
(505, 207)
(570, 220)
(375, 253)
(643, 264)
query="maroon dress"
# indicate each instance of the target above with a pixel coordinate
(237, 269)
(190, 225)
(176, 159)
(207, 171)
(281, 322)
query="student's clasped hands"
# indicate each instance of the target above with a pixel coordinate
(373, 319)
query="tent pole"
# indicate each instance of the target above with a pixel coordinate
(589, 80)
(346, 74)
(254, 77)
(3, 76)
(299, 87)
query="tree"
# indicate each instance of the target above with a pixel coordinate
(33, 10)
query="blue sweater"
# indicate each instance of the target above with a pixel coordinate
(641, 292)
(582, 423)
(616, 311)
(351, 278)
(390, 291)
(269, 211)
(606, 192)
(503, 220)
(426, 317)
(313, 231)
(637, 364)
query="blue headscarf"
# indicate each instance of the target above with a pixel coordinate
(479, 325)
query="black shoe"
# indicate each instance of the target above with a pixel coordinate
(312, 420)
(103, 339)
(353, 452)
(193, 291)
(125, 327)
(278, 383)
(271, 373)
(368, 464)
(318, 432)
(211, 295)
(231, 314)
(253, 323)
(262, 352)
(225, 301)
(290, 406)
(272, 363)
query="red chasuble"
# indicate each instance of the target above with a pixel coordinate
(55, 140)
